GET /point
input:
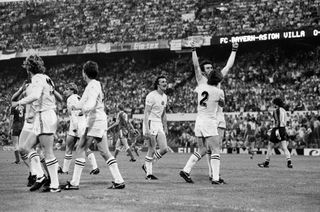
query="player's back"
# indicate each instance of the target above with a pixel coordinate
(97, 112)
(208, 98)
(47, 99)
(280, 117)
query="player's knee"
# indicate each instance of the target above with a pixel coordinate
(164, 151)
(215, 150)
(104, 155)
(88, 152)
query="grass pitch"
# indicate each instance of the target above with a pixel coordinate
(249, 187)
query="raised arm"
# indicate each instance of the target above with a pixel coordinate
(195, 61)
(231, 59)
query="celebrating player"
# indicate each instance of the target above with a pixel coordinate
(76, 130)
(155, 125)
(44, 125)
(210, 97)
(202, 71)
(278, 134)
(91, 104)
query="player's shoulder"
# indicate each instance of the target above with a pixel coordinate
(151, 94)
(202, 80)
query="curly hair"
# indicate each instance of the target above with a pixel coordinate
(72, 86)
(34, 64)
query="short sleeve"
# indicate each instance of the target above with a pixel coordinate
(149, 100)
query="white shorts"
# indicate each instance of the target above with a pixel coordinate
(155, 127)
(45, 122)
(97, 129)
(79, 130)
(206, 127)
(27, 127)
(222, 124)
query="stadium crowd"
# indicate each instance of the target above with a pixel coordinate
(43, 24)
(250, 86)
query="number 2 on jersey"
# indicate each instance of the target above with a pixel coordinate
(203, 101)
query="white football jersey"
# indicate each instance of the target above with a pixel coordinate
(208, 97)
(92, 103)
(30, 110)
(42, 83)
(158, 104)
(75, 119)
(220, 114)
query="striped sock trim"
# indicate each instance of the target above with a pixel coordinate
(288, 159)
(157, 155)
(111, 161)
(24, 157)
(52, 162)
(215, 157)
(197, 155)
(33, 155)
(267, 160)
(148, 159)
(68, 157)
(80, 163)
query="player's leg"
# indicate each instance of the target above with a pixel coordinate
(80, 161)
(118, 147)
(163, 146)
(284, 146)
(214, 146)
(134, 147)
(103, 148)
(27, 148)
(265, 164)
(221, 132)
(15, 141)
(70, 143)
(124, 142)
(46, 141)
(40, 151)
(193, 159)
(93, 162)
(147, 167)
(24, 156)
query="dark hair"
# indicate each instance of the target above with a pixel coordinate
(278, 102)
(203, 63)
(215, 77)
(156, 82)
(91, 69)
(34, 64)
(121, 107)
(72, 86)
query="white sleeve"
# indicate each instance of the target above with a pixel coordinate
(149, 100)
(36, 88)
(92, 94)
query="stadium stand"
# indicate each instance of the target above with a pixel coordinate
(256, 77)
